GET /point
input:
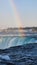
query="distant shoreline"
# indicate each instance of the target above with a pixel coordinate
(27, 31)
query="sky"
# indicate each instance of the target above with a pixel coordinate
(18, 13)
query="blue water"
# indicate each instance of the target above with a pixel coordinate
(6, 42)
(18, 50)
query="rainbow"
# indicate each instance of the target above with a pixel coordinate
(15, 13)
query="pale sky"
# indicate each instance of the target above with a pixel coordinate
(27, 10)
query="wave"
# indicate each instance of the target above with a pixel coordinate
(19, 55)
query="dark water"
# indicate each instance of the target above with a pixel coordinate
(18, 51)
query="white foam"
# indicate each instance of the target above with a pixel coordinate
(6, 57)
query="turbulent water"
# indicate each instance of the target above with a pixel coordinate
(6, 42)
(18, 50)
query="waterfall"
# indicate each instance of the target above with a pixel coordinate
(6, 42)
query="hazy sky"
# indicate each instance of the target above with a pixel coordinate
(27, 10)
